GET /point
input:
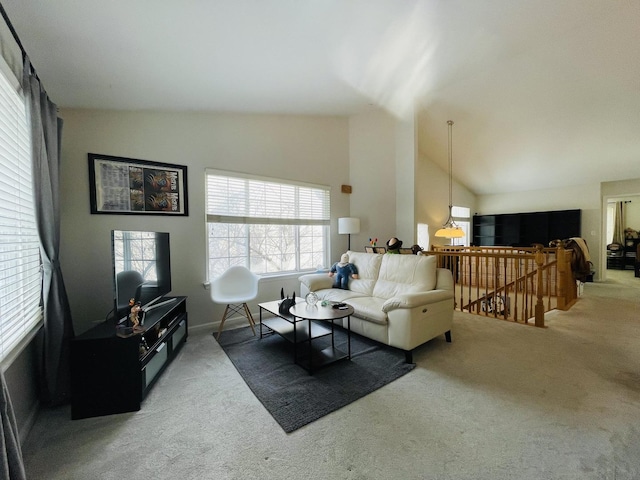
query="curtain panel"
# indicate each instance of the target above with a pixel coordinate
(618, 223)
(46, 131)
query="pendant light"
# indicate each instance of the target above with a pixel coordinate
(450, 229)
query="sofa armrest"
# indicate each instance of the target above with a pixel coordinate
(412, 300)
(316, 281)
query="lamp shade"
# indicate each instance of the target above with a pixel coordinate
(348, 225)
(450, 232)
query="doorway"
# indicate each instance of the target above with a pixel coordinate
(619, 258)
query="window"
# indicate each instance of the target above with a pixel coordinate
(20, 272)
(611, 220)
(135, 251)
(270, 226)
(462, 216)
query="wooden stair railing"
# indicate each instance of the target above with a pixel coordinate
(501, 289)
(517, 284)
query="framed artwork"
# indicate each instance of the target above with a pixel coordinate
(137, 187)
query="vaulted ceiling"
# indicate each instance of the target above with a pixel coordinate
(543, 93)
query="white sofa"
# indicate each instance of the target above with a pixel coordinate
(399, 300)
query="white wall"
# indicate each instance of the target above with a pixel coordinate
(583, 197)
(632, 213)
(372, 157)
(406, 166)
(394, 189)
(432, 197)
(306, 148)
(10, 50)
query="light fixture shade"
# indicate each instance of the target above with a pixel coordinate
(348, 225)
(450, 231)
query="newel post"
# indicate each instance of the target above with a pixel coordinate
(562, 277)
(539, 310)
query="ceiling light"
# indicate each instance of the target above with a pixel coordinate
(450, 229)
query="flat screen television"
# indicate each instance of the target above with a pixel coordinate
(141, 269)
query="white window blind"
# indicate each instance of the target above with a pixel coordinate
(20, 272)
(268, 225)
(246, 199)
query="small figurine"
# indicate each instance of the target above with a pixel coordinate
(134, 315)
(343, 270)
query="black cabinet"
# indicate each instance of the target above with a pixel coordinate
(511, 226)
(630, 252)
(616, 259)
(525, 229)
(112, 373)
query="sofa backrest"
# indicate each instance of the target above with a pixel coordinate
(368, 265)
(405, 274)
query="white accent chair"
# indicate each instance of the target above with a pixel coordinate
(234, 288)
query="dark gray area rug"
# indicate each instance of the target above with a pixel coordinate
(292, 396)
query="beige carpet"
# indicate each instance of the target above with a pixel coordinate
(502, 401)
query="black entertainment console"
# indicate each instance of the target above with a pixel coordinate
(112, 373)
(525, 229)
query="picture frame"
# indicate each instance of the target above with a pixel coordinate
(128, 186)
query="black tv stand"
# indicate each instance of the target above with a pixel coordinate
(112, 372)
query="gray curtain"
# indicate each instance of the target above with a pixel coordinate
(11, 466)
(46, 131)
(618, 224)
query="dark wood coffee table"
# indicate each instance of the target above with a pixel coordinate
(302, 325)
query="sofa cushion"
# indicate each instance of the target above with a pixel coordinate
(336, 295)
(368, 265)
(405, 274)
(369, 308)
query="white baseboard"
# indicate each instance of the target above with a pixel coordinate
(230, 323)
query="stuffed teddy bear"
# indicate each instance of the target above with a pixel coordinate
(343, 271)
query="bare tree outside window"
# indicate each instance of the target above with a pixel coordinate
(267, 226)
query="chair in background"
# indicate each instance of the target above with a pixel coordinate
(128, 286)
(234, 288)
(405, 251)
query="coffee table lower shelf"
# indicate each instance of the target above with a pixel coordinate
(320, 358)
(284, 328)
(301, 332)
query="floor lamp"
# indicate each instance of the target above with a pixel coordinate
(348, 225)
